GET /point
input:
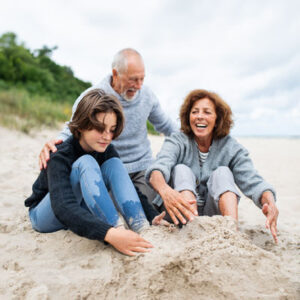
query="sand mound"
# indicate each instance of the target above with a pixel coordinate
(206, 259)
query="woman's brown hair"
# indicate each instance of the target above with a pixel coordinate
(94, 102)
(224, 120)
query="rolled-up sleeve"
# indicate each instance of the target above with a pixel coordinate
(247, 178)
(166, 159)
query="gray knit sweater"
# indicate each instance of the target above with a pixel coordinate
(180, 149)
(133, 145)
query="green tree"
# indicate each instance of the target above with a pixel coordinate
(36, 72)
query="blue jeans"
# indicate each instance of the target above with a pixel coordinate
(90, 185)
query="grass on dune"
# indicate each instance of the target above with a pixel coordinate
(22, 111)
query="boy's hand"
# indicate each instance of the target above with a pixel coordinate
(127, 241)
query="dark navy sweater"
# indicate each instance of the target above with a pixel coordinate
(56, 180)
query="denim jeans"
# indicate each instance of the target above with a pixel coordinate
(90, 184)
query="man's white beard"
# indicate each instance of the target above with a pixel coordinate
(129, 99)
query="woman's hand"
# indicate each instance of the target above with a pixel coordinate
(178, 207)
(270, 210)
(127, 241)
(176, 204)
(45, 153)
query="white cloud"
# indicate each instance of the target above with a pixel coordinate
(247, 51)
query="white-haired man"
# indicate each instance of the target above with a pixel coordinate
(139, 104)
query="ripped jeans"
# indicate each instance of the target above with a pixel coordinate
(90, 184)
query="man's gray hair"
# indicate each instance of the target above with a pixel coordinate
(120, 62)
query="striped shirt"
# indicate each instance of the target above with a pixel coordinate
(202, 157)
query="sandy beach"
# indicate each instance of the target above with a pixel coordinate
(207, 259)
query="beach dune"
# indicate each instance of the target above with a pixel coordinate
(206, 259)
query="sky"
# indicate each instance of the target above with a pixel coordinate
(247, 51)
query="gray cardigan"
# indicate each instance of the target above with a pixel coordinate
(180, 149)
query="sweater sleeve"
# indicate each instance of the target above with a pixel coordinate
(65, 133)
(166, 159)
(161, 122)
(65, 207)
(39, 190)
(247, 178)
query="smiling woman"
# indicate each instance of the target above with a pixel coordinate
(202, 121)
(197, 170)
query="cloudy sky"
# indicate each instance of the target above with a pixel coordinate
(248, 51)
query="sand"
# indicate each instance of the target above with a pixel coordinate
(207, 259)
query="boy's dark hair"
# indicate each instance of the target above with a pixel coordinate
(94, 102)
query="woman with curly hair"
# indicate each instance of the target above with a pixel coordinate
(197, 170)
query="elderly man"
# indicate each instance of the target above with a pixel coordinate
(139, 104)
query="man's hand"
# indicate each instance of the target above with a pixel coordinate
(127, 241)
(270, 210)
(159, 220)
(45, 153)
(178, 206)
